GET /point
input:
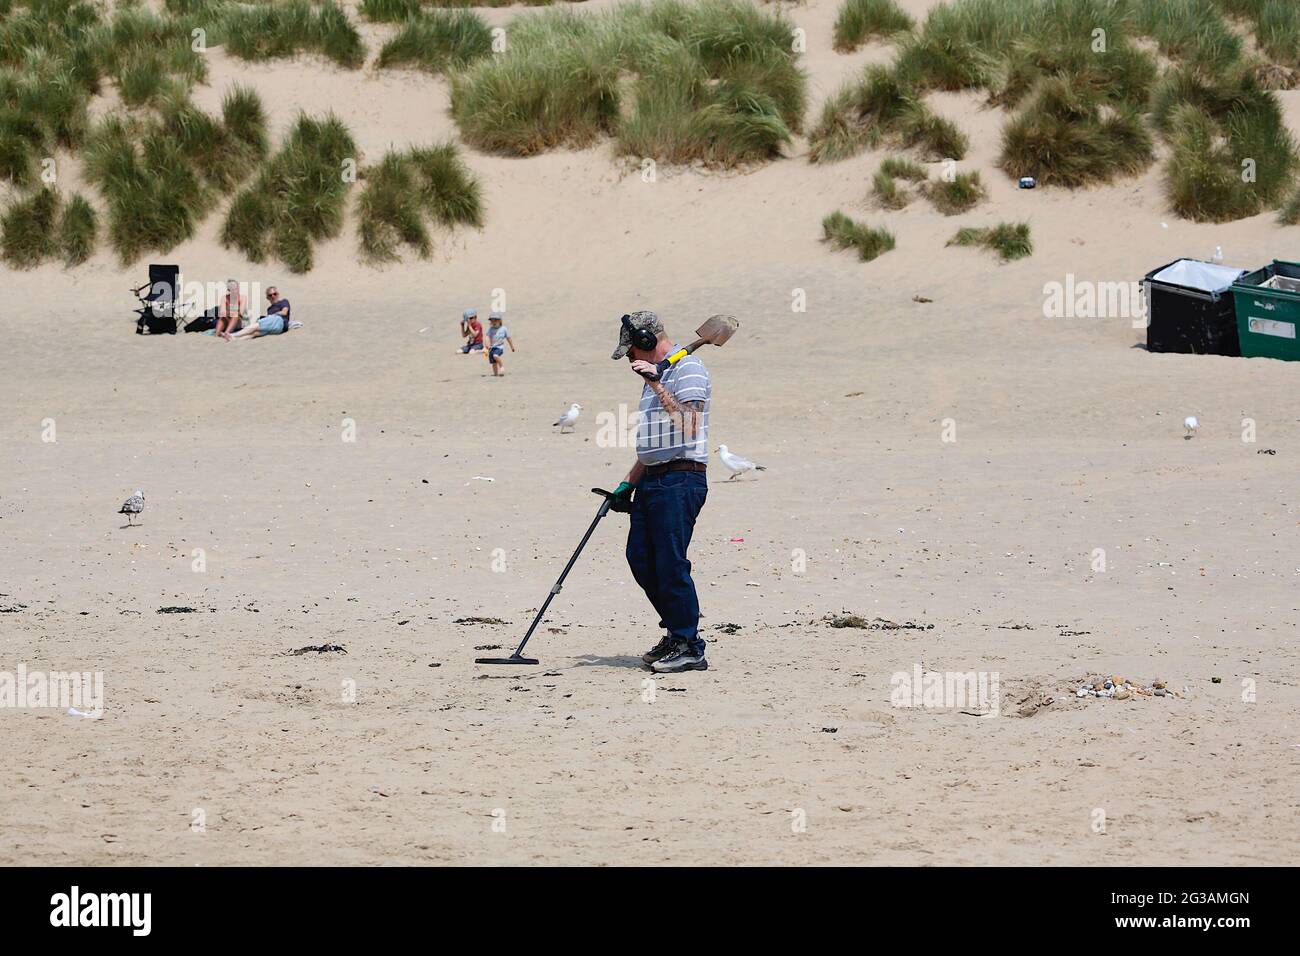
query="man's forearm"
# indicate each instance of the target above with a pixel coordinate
(635, 474)
(685, 418)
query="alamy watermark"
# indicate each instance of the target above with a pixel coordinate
(1077, 298)
(626, 427)
(82, 691)
(969, 691)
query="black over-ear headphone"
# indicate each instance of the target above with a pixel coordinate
(643, 339)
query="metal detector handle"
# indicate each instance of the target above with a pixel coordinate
(604, 510)
(555, 588)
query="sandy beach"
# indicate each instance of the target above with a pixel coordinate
(218, 745)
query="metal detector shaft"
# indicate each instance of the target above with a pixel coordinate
(600, 513)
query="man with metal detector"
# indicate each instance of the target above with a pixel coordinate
(668, 482)
(670, 485)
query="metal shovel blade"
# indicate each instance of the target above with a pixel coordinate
(717, 329)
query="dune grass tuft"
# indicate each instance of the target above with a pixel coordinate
(1218, 94)
(17, 162)
(404, 190)
(269, 30)
(963, 192)
(298, 197)
(863, 20)
(681, 115)
(29, 229)
(885, 186)
(1206, 178)
(77, 230)
(454, 196)
(394, 11)
(1278, 31)
(161, 175)
(844, 233)
(43, 106)
(39, 227)
(157, 165)
(840, 132)
(1012, 49)
(882, 108)
(714, 82)
(142, 80)
(1067, 135)
(942, 59)
(148, 55)
(244, 120)
(1190, 31)
(858, 114)
(1231, 152)
(557, 85)
(966, 44)
(221, 152)
(1061, 42)
(900, 167)
(1009, 240)
(438, 41)
(153, 193)
(887, 192)
(390, 11)
(1289, 213)
(935, 136)
(1241, 8)
(246, 227)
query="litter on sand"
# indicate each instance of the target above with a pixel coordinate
(877, 624)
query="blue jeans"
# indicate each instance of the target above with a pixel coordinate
(664, 509)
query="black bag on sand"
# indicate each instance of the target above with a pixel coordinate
(204, 323)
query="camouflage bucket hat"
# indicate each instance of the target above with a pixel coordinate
(646, 321)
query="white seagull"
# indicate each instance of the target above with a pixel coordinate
(736, 464)
(132, 506)
(568, 418)
(1191, 424)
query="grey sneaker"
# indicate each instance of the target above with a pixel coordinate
(681, 659)
(661, 650)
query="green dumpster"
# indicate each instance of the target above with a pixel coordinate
(1267, 302)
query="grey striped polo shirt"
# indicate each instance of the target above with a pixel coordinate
(658, 439)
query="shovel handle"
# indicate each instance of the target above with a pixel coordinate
(667, 363)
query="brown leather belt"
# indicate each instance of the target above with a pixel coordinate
(679, 464)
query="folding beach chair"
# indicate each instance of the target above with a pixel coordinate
(157, 312)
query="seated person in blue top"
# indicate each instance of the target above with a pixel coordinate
(275, 321)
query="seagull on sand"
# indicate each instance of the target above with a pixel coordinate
(736, 464)
(568, 418)
(1191, 424)
(132, 506)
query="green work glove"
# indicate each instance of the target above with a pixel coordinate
(622, 499)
